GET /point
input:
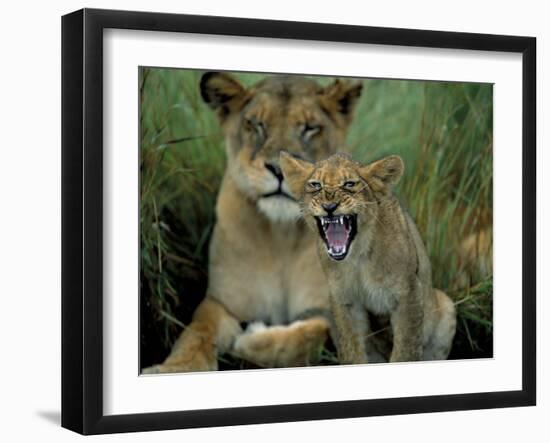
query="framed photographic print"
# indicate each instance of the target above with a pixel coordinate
(269, 221)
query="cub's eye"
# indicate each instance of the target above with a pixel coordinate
(316, 186)
(310, 130)
(349, 184)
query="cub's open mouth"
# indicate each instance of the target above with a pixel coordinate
(338, 231)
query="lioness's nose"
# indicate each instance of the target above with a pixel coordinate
(275, 170)
(330, 207)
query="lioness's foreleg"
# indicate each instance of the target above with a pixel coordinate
(296, 344)
(210, 334)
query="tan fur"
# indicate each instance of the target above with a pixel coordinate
(475, 257)
(263, 261)
(386, 271)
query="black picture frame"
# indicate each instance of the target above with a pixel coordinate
(82, 220)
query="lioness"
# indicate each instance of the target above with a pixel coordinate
(373, 257)
(263, 267)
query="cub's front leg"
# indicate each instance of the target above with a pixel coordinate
(407, 324)
(350, 329)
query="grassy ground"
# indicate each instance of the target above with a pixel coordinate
(443, 131)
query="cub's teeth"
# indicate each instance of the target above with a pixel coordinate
(341, 219)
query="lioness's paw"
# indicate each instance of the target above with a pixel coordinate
(173, 369)
(255, 338)
(256, 326)
(155, 369)
(297, 344)
(199, 363)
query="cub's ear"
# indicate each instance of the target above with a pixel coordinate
(383, 174)
(222, 93)
(340, 97)
(296, 172)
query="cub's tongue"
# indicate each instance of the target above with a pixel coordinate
(336, 236)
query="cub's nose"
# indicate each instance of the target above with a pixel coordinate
(275, 170)
(330, 207)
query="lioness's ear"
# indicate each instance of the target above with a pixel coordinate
(296, 172)
(340, 97)
(221, 92)
(384, 173)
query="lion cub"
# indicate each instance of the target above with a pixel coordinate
(373, 256)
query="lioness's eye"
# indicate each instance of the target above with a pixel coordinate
(349, 184)
(309, 130)
(315, 185)
(257, 126)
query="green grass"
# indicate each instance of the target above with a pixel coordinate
(443, 131)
